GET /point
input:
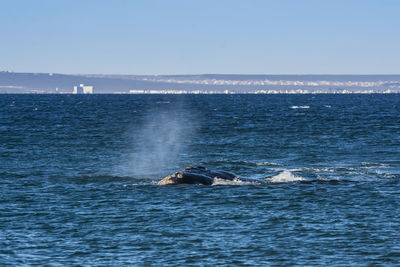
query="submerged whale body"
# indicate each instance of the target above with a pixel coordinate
(201, 175)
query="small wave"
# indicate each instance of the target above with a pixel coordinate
(285, 177)
(218, 181)
(300, 107)
(369, 165)
(130, 185)
(265, 163)
(365, 172)
(250, 163)
(110, 179)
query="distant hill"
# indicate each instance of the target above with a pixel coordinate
(11, 82)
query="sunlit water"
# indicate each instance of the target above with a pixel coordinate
(78, 180)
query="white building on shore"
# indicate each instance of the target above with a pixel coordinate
(83, 89)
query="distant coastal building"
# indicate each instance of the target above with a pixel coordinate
(83, 89)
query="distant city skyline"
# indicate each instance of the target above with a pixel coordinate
(197, 37)
(52, 83)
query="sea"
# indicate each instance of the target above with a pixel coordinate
(79, 173)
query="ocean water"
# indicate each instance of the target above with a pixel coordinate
(78, 178)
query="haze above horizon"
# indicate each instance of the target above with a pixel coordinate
(196, 37)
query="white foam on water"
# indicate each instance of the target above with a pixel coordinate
(370, 165)
(300, 107)
(218, 181)
(285, 177)
(266, 163)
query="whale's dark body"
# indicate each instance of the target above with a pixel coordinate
(201, 175)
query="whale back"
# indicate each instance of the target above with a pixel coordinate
(201, 175)
(196, 175)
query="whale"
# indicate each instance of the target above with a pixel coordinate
(202, 176)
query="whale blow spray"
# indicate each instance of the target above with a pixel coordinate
(160, 142)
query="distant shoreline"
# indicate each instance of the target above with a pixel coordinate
(162, 94)
(53, 83)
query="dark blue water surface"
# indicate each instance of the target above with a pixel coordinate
(78, 180)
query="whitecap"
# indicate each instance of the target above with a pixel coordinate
(285, 177)
(300, 107)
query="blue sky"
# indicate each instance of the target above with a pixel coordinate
(201, 36)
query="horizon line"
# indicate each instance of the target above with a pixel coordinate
(203, 74)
